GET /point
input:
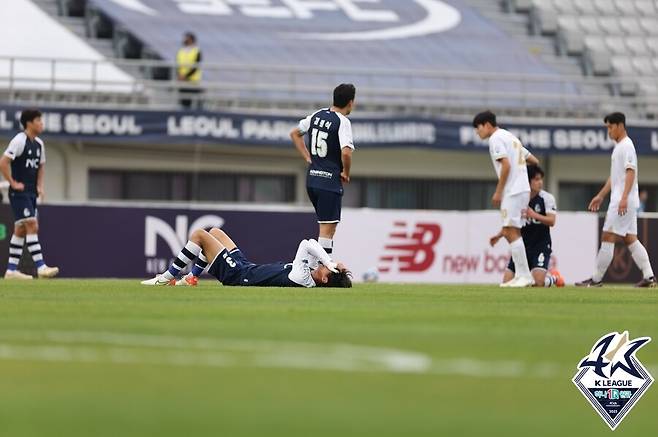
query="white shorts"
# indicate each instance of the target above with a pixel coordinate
(621, 225)
(511, 209)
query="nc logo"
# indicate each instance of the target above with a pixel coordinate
(32, 163)
(175, 238)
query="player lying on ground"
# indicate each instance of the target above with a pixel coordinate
(536, 233)
(312, 266)
(621, 218)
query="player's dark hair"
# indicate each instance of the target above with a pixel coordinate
(615, 118)
(485, 117)
(190, 35)
(344, 94)
(29, 115)
(339, 280)
(534, 170)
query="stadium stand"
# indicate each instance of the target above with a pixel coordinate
(480, 56)
(617, 38)
(453, 69)
(51, 60)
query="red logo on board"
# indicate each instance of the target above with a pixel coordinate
(411, 249)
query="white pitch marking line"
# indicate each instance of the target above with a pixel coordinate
(87, 347)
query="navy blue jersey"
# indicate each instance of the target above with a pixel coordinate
(269, 275)
(26, 157)
(234, 269)
(328, 132)
(535, 233)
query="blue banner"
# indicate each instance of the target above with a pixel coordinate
(177, 127)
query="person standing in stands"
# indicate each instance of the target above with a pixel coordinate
(188, 60)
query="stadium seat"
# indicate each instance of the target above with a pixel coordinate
(637, 46)
(606, 7)
(643, 7)
(649, 25)
(609, 26)
(644, 66)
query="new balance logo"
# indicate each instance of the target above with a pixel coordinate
(410, 250)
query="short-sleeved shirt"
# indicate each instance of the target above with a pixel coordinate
(328, 133)
(623, 158)
(503, 144)
(534, 232)
(26, 157)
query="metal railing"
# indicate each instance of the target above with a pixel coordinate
(153, 84)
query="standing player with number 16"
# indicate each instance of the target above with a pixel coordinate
(329, 155)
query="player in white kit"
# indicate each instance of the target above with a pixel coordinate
(621, 218)
(512, 194)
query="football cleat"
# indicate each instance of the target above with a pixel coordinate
(647, 283)
(557, 277)
(159, 280)
(46, 272)
(16, 274)
(188, 280)
(589, 283)
(521, 282)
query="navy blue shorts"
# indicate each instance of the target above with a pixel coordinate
(538, 258)
(229, 267)
(327, 204)
(24, 206)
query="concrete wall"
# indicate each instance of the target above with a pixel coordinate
(69, 164)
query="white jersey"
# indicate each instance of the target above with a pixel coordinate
(623, 158)
(503, 144)
(309, 255)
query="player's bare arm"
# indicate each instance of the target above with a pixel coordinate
(40, 176)
(346, 157)
(532, 160)
(496, 238)
(5, 169)
(502, 181)
(596, 201)
(298, 140)
(628, 186)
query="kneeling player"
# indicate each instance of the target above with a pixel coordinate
(540, 217)
(312, 266)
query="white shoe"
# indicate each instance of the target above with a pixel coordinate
(188, 280)
(521, 282)
(46, 272)
(159, 280)
(16, 274)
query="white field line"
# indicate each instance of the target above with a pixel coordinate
(120, 348)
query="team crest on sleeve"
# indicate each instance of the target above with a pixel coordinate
(612, 378)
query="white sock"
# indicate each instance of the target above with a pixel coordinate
(549, 280)
(520, 259)
(327, 244)
(15, 252)
(603, 260)
(641, 258)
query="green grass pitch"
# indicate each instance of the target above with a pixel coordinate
(113, 358)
